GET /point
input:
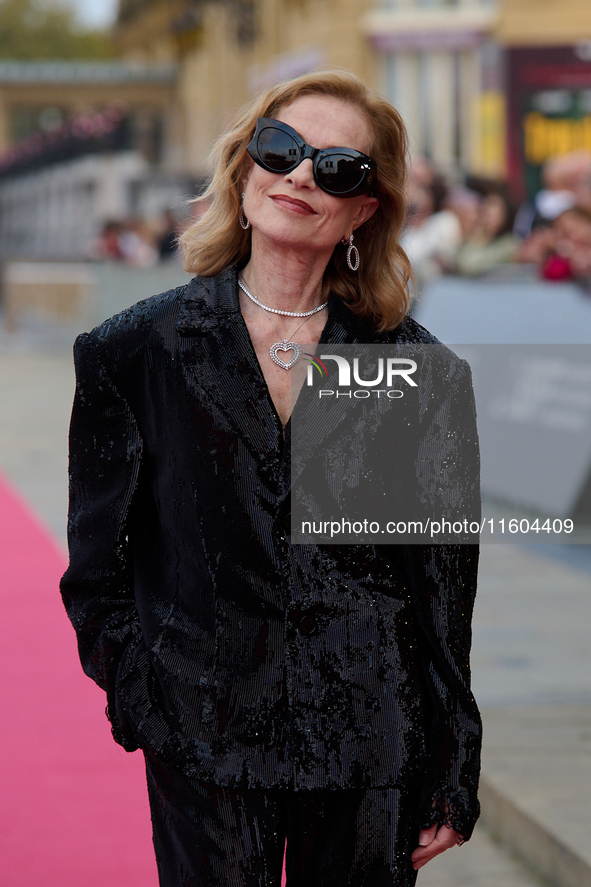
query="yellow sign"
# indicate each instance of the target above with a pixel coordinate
(491, 159)
(546, 137)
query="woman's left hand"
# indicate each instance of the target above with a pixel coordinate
(432, 842)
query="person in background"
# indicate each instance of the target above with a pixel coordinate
(491, 242)
(132, 242)
(106, 246)
(433, 232)
(169, 235)
(564, 178)
(567, 254)
(464, 203)
(138, 244)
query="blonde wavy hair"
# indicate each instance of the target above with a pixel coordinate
(379, 291)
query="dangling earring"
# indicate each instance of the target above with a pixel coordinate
(244, 223)
(352, 254)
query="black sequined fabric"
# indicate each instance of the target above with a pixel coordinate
(215, 836)
(234, 656)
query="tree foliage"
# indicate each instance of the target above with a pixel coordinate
(36, 30)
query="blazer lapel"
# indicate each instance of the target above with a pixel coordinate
(315, 421)
(219, 359)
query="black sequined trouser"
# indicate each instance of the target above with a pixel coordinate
(213, 836)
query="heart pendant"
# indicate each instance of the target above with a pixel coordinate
(285, 346)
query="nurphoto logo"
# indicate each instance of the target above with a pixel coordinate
(387, 372)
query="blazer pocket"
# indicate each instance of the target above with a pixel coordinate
(121, 726)
(138, 702)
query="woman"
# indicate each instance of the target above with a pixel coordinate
(433, 232)
(229, 655)
(491, 243)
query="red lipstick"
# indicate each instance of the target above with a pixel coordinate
(293, 204)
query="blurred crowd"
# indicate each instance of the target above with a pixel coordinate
(138, 242)
(471, 229)
(144, 242)
(475, 229)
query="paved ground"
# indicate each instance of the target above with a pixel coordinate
(36, 393)
(532, 652)
(482, 862)
(537, 784)
(532, 642)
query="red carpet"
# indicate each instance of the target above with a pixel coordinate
(74, 810)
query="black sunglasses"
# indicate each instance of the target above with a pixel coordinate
(342, 172)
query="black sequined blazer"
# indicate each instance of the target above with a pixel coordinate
(234, 655)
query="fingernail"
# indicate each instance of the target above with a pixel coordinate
(423, 840)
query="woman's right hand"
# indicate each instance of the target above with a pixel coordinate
(432, 842)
